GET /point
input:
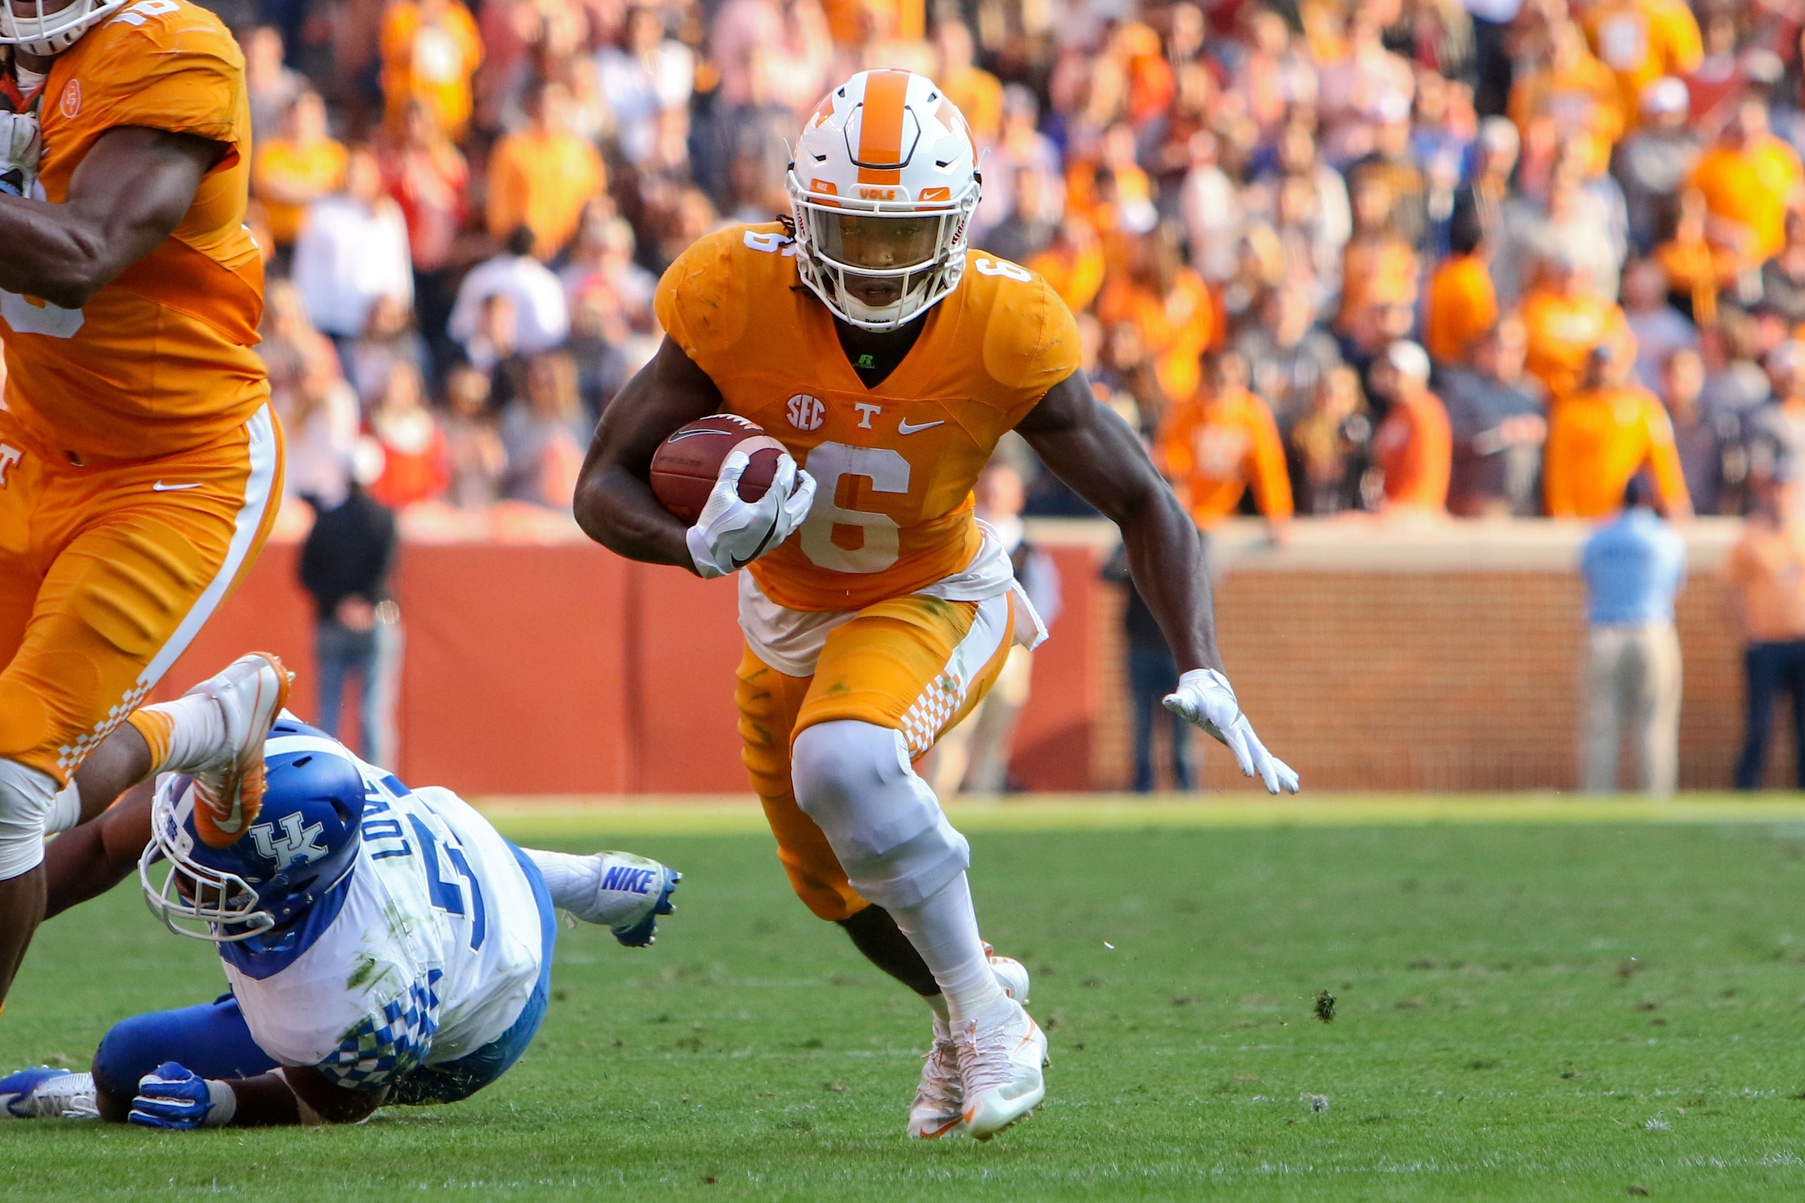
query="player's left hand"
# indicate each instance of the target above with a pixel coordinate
(1205, 698)
(20, 146)
(171, 1096)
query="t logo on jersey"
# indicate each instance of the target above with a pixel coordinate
(298, 845)
(806, 412)
(9, 456)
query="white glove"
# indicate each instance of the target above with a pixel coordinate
(1205, 698)
(19, 150)
(732, 532)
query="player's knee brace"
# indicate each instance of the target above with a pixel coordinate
(27, 802)
(884, 823)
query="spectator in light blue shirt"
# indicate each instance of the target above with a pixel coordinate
(1634, 565)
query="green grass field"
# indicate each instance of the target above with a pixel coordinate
(1577, 1004)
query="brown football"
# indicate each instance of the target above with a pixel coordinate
(686, 465)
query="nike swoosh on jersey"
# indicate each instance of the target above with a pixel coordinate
(905, 427)
(160, 487)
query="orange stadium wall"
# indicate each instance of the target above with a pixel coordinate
(1445, 659)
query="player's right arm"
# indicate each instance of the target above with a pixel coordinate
(130, 193)
(614, 503)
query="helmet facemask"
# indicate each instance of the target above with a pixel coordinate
(909, 254)
(47, 34)
(194, 900)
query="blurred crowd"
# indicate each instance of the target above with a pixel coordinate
(1404, 257)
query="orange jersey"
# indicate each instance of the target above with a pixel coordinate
(431, 60)
(1175, 328)
(1597, 440)
(1562, 332)
(1414, 447)
(895, 463)
(1074, 271)
(1580, 100)
(1375, 272)
(281, 169)
(1212, 448)
(1463, 304)
(542, 181)
(1752, 188)
(1642, 40)
(160, 360)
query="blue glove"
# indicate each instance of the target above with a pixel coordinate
(172, 1097)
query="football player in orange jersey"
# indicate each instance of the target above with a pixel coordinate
(890, 360)
(140, 465)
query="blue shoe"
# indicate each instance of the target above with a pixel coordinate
(631, 892)
(46, 1093)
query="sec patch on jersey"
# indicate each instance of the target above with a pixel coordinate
(686, 465)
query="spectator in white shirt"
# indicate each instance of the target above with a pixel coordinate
(647, 81)
(353, 249)
(537, 296)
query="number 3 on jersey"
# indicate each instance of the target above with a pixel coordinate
(829, 464)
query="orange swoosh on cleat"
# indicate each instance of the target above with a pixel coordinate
(221, 819)
(943, 1129)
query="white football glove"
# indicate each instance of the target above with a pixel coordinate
(19, 150)
(732, 532)
(1205, 698)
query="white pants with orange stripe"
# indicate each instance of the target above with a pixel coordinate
(834, 708)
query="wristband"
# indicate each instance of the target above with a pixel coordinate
(225, 1104)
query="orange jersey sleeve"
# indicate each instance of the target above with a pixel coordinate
(894, 463)
(1558, 456)
(1271, 480)
(160, 360)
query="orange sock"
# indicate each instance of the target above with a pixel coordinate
(156, 727)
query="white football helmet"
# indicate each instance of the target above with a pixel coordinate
(883, 181)
(49, 30)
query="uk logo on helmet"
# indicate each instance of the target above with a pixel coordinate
(297, 844)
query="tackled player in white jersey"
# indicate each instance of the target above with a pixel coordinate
(382, 944)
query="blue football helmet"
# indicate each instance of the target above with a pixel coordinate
(303, 844)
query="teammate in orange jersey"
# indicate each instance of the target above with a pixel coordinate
(890, 359)
(140, 466)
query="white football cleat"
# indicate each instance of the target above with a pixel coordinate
(939, 1106)
(46, 1093)
(228, 787)
(629, 895)
(1000, 1068)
